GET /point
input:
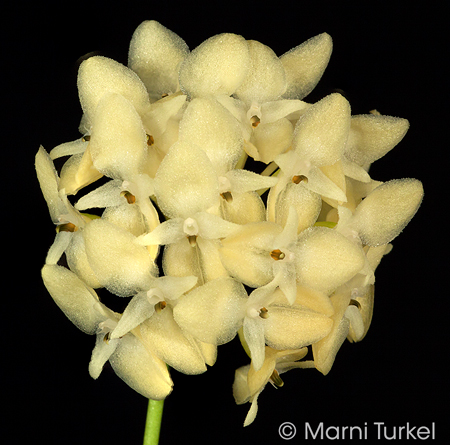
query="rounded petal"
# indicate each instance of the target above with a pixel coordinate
(78, 262)
(215, 130)
(140, 369)
(272, 139)
(244, 208)
(186, 182)
(305, 64)
(217, 66)
(266, 80)
(295, 327)
(246, 253)
(169, 343)
(372, 136)
(386, 211)
(307, 204)
(155, 53)
(322, 131)
(118, 142)
(73, 297)
(325, 259)
(180, 259)
(99, 75)
(214, 312)
(121, 265)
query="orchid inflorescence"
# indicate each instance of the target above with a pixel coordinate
(284, 257)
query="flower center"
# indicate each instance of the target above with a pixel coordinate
(67, 227)
(277, 254)
(131, 199)
(299, 178)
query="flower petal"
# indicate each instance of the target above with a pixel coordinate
(155, 53)
(325, 259)
(212, 313)
(321, 132)
(221, 62)
(386, 211)
(140, 369)
(372, 136)
(215, 130)
(99, 75)
(305, 64)
(118, 142)
(121, 265)
(168, 342)
(265, 80)
(295, 327)
(186, 182)
(73, 297)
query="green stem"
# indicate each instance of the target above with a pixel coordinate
(153, 422)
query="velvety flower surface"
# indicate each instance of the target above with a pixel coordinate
(212, 201)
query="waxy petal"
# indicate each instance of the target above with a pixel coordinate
(171, 344)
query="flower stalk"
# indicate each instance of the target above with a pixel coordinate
(153, 422)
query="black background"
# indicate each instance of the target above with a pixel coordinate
(391, 56)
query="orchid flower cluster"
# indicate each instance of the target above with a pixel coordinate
(200, 248)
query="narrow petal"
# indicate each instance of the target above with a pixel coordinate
(49, 182)
(246, 181)
(60, 244)
(101, 354)
(254, 336)
(69, 148)
(168, 232)
(136, 312)
(104, 196)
